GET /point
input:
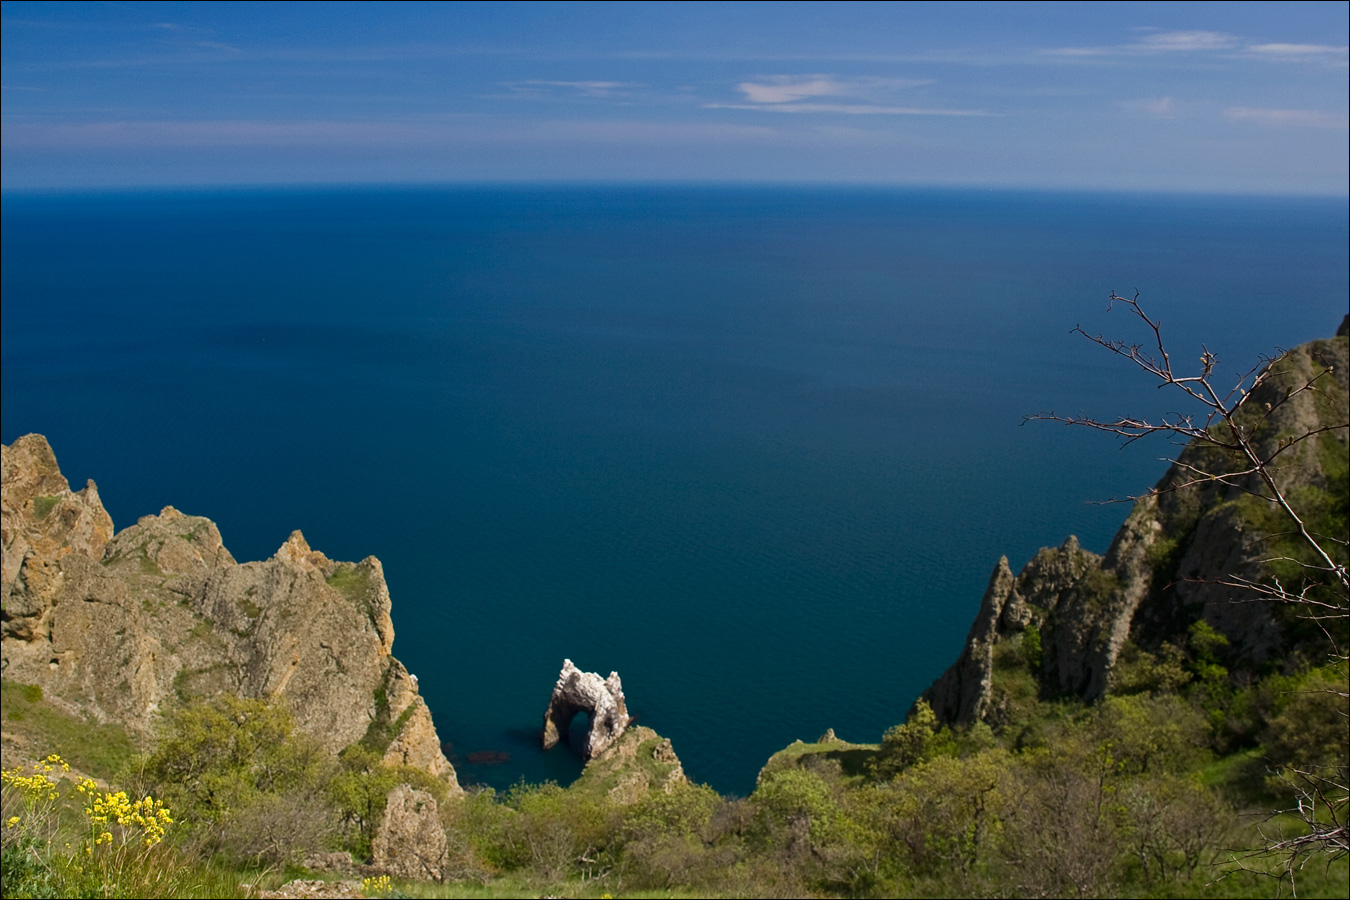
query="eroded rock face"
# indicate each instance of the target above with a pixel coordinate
(1011, 604)
(42, 521)
(410, 842)
(600, 698)
(1174, 561)
(125, 626)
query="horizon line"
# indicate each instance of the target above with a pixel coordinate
(199, 187)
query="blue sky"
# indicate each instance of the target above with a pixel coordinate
(1229, 97)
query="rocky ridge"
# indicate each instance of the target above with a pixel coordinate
(122, 626)
(1165, 567)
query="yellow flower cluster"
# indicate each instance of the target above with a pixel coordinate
(36, 786)
(376, 886)
(151, 816)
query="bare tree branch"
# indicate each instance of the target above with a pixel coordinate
(1238, 426)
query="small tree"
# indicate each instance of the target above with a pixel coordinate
(1234, 427)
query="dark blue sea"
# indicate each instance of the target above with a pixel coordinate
(755, 449)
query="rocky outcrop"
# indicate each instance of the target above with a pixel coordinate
(1177, 557)
(600, 698)
(123, 626)
(312, 889)
(410, 842)
(639, 762)
(42, 521)
(1011, 604)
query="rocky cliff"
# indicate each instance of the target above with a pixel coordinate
(1174, 561)
(122, 626)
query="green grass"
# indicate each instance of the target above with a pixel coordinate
(853, 759)
(100, 750)
(516, 884)
(43, 506)
(351, 581)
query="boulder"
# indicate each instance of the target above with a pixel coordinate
(410, 842)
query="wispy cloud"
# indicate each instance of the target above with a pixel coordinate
(1159, 42)
(854, 109)
(1162, 107)
(783, 89)
(582, 88)
(1298, 49)
(1184, 41)
(1295, 118)
(793, 88)
(799, 93)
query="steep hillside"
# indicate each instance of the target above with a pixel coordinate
(121, 627)
(1075, 616)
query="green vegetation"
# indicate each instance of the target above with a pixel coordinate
(43, 506)
(351, 581)
(98, 750)
(1143, 794)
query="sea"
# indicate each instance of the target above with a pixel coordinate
(756, 449)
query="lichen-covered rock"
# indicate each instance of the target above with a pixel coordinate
(600, 698)
(121, 627)
(410, 842)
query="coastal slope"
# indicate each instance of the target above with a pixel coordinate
(125, 626)
(1073, 615)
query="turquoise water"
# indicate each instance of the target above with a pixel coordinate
(757, 450)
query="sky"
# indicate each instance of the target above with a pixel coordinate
(1170, 97)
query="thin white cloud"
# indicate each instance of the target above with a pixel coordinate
(1297, 49)
(1162, 107)
(1078, 51)
(774, 89)
(1295, 118)
(216, 45)
(1154, 42)
(854, 109)
(584, 88)
(782, 89)
(1185, 41)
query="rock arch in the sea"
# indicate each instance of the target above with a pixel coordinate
(600, 698)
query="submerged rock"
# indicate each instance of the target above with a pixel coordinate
(600, 698)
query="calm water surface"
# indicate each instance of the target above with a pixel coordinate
(757, 450)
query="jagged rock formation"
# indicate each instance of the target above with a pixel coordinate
(123, 626)
(1165, 566)
(1011, 604)
(410, 842)
(600, 698)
